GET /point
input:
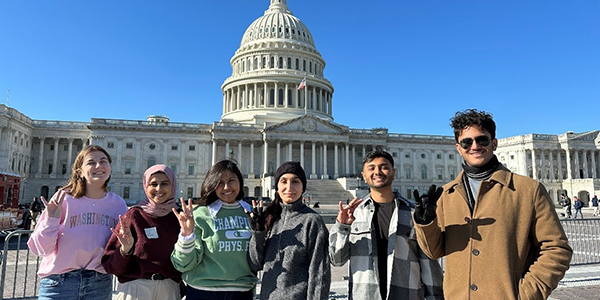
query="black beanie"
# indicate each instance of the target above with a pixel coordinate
(294, 168)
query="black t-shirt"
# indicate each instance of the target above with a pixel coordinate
(381, 223)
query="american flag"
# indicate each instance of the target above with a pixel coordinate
(302, 84)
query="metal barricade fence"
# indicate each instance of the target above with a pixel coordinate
(18, 279)
(584, 238)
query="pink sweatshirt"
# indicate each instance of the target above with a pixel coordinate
(76, 240)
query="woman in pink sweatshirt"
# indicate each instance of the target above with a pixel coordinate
(74, 229)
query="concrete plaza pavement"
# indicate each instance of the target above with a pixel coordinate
(580, 283)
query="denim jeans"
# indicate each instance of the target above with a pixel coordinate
(578, 210)
(76, 285)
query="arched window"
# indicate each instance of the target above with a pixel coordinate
(289, 95)
(280, 97)
(272, 97)
(423, 172)
(257, 191)
(318, 102)
(289, 63)
(280, 64)
(151, 161)
(297, 64)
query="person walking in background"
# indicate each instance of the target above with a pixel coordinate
(377, 237)
(498, 231)
(577, 205)
(289, 242)
(139, 250)
(212, 247)
(566, 204)
(35, 209)
(73, 230)
(595, 205)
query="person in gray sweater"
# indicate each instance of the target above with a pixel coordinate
(289, 242)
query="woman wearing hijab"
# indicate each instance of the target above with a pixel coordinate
(289, 242)
(139, 250)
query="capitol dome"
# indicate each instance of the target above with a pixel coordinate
(277, 22)
(276, 52)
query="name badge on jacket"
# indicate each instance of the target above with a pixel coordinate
(151, 233)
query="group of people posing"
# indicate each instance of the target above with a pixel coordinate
(498, 231)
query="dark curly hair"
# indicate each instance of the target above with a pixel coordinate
(473, 117)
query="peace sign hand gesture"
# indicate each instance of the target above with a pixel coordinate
(124, 235)
(54, 207)
(185, 217)
(346, 214)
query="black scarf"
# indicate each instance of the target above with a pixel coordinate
(478, 173)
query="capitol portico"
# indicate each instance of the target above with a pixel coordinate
(266, 121)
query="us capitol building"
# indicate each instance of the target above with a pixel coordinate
(266, 121)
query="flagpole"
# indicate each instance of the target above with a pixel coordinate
(305, 96)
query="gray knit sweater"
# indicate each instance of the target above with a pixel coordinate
(294, 257)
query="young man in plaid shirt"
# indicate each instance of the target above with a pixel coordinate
(376, 235)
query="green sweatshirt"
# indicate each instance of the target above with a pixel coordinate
(215, 259)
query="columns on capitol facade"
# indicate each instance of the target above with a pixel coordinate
(322, 156)
(580, 164)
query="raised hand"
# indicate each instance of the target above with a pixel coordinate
(258, 216)
(54, 207)
(124, 235)
(426, 205)
(346, 214)
(185, 217)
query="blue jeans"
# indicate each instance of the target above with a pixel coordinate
(578, 210)
(76, 285)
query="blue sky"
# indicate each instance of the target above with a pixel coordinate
(404, 65)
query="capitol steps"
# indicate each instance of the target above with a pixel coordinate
(326, 192)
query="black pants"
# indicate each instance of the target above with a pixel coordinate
(194, 294)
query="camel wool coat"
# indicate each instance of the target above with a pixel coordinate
(511, 247)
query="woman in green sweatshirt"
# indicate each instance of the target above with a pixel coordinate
(212, 246)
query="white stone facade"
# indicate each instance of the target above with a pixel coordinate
(325, 149)
(567, 163)
(266, 121)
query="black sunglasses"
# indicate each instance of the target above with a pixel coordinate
(482, 140)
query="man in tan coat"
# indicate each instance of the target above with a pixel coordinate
(499, 231)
